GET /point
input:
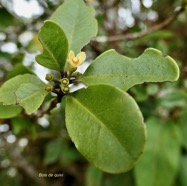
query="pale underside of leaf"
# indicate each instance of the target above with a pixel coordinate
(105, 125)
(78, 22)
(123, 72)
(9, 111)
(8, 89)
(31, 96)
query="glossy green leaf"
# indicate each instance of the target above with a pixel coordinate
(9, 111)
(78, 22)
(160, 160)
(106, 126)
(30, 96)
(115, 69)
(8, 89)
(55, 46)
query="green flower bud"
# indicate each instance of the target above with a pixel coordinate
(49, 77)
(65, 81)
(49, 88)
(65, 89)
(76, 74)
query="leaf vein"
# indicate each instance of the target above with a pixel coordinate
(101, 124)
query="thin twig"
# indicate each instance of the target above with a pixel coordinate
(165, 23)
(52, 105)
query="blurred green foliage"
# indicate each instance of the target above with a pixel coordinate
(29, 146)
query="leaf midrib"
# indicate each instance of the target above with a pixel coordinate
(116, 75)
(102, 125)
(50, 53)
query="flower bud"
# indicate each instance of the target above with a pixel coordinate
(49, 77)
(64, 81)
(65, 89)
(49, 88)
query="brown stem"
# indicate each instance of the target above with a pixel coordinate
(52, 105)
(165, 23)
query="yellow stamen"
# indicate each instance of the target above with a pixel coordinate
(75, 60)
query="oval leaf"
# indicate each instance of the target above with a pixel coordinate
(78, 22)
(55, 46)
(115, 69)
(30, 96)
(160, 161)
(9, 111)
(106, 126)
(8, 89)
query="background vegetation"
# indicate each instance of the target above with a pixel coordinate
(30, 146)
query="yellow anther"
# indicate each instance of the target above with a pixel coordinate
(76, 61)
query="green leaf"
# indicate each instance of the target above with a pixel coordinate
(183, 126)
(21, 124)
(9, 111)
(93, 176)
(125, 179)
(53, 150)
(160, 34)
(8, 89)
(30, 96)
(115, 69)
(55, 46)
(106, 126)
(183, 171)
(69, 156)
(78, 22)
(6, 19)
(152, 89)
(159, 163)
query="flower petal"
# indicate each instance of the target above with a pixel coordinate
(81, 57)
(71, 55)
